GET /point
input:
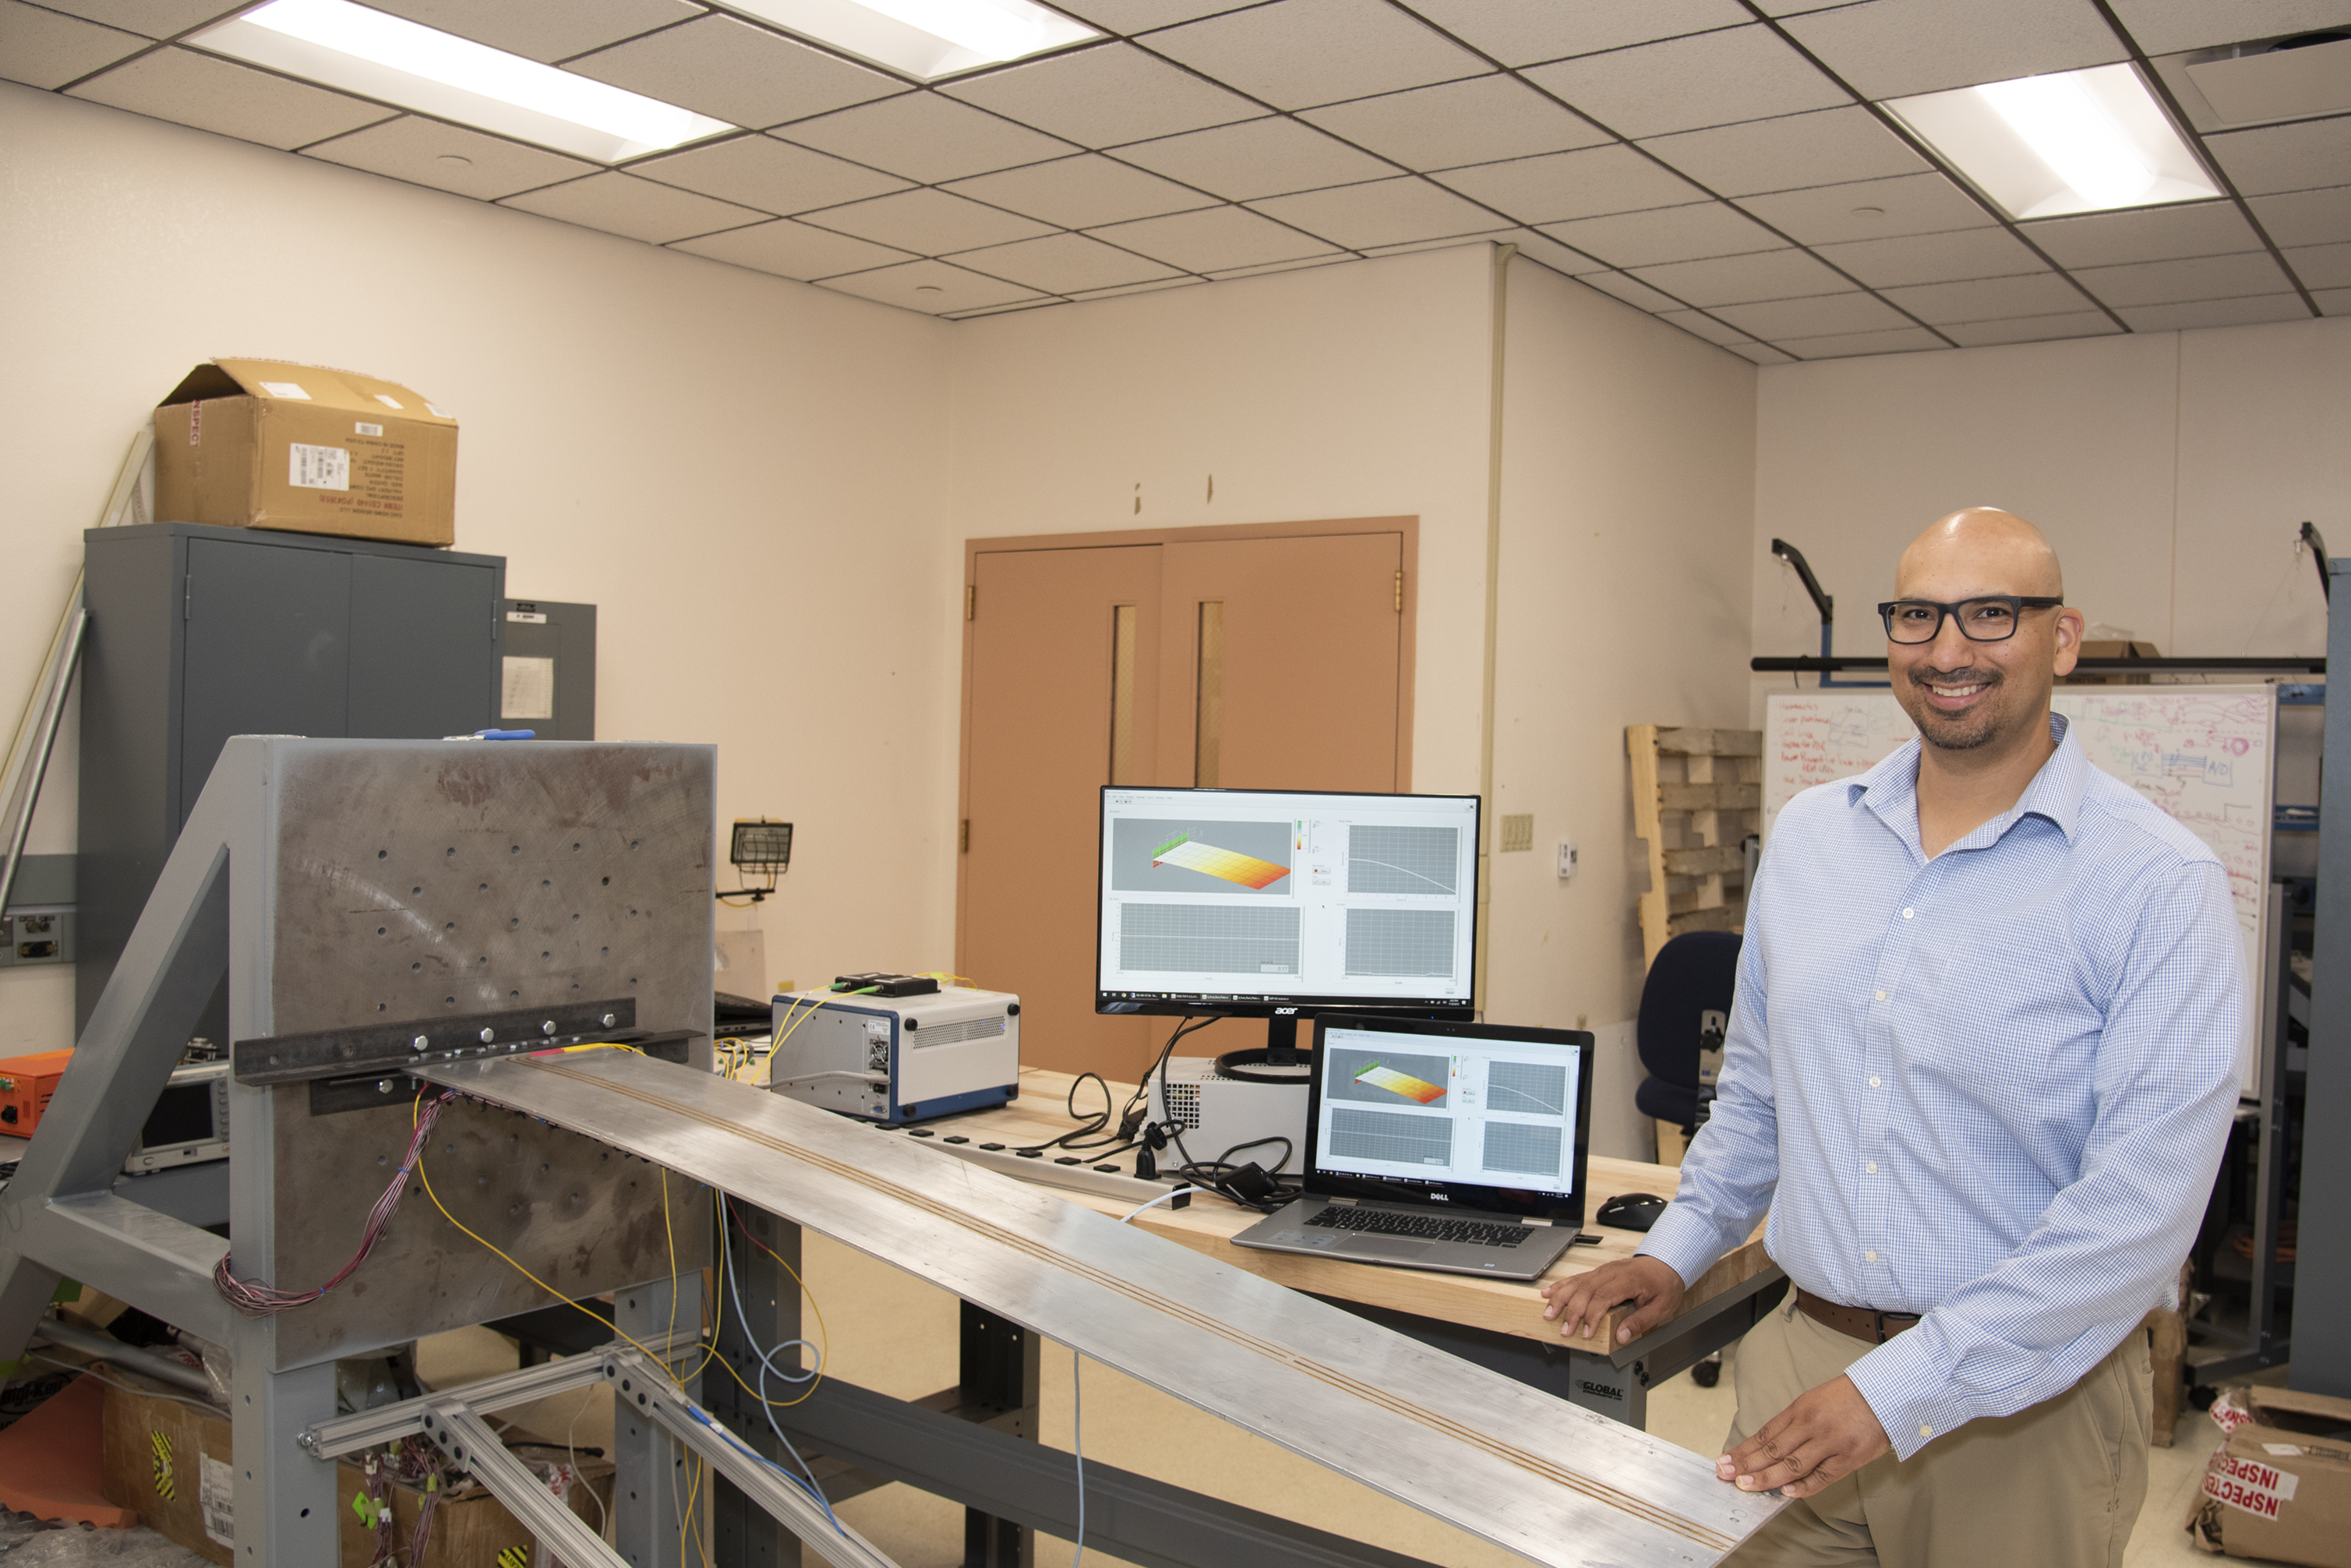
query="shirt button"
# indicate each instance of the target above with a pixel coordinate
(1873, 1168)
(1925, 1431)
(1881, 996)
(1908, 914)
(1869, 1257)
(1872, 1082)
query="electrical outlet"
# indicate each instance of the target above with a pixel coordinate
(1566, 859)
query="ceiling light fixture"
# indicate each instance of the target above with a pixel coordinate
(926, 39)
(340, 44)
(2073, 141)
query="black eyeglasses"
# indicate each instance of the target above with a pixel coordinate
(1991, 618)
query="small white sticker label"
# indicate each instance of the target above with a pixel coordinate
(319, 467)
(528, 688)
(286, 389)
(388, 401)
(533, 617)
(366, 429)
(217, 1493)
(438, 412)
(2284, 1450)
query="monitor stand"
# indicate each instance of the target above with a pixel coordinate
(1281, 1041)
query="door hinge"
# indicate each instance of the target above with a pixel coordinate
(1399, 591)
(971, 601)
(963, 838)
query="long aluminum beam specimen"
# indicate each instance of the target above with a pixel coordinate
(1554, 1483)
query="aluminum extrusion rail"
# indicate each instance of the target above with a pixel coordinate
(1558, 1485)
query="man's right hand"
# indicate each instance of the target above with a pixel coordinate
(1582, 1302)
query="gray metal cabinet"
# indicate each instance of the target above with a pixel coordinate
(198, 634)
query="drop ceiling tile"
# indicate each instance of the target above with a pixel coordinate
(2321, 266)
(926, 138)
(1669, 233)
(933, 287)
(1761, 353)
(1869, 209)
(2032, 328)
(2298, 157)
(2165, 27)
(1104, 96)
(1852, 345)
(153, 18)
(1887, 49)
(1632, 291)
(1300, 52)
(1681, 84)
(1933, 257)
(928, 222)
(1737, 279)
(762, 172)
(1300, 264)
(790, 249)
(449, 158)
(1474, 121)
(2144, 233)
(2173, 282)
(1699, 324)
(1848, 312)
(623, 205)
(211, 94)
(1082, 193)
(2242, 312)
(745, 75)
(1384, 212)
(43, 49)
(1142, 15)
(1063, 263)
(1533, 245)
(1522, 32)
(2305, 217)
(1259, 158)
(1214, 240)
(2334, 301)
(1990, 299)
(1825, 147)
(1004, 309)
(1561, 186)
(1181, 280)
(544, 29)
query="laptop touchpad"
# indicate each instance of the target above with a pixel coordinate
(1384, 1247)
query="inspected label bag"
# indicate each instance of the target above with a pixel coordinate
(2279, 1485)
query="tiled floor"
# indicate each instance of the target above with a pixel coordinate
(895, 1335)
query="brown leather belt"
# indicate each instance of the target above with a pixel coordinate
(1858, 1322)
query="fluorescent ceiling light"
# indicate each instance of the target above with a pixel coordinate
(2074, 141)
(926, 39)
(379, 55)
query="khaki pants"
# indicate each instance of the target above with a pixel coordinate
(2058, 1484)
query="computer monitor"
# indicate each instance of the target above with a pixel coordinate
(1283, 904)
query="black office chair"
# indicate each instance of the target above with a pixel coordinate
(1685, 1013)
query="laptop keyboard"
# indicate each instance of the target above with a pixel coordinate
(1420, 1226)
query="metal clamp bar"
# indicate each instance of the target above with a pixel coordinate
(373, 1047)
(468, 1441)
(635, 1377)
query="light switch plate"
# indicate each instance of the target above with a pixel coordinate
(1566, 859)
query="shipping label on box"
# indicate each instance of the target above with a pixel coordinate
(258, 443)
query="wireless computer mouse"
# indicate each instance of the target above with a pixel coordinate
(1631, 1210)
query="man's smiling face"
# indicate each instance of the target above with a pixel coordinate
(1965, 694)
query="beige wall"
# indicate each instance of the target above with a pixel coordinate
(746, 475)
(2171, 470)
(1337, 391)
(1628, 451)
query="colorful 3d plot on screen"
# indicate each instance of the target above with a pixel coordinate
(1401, 1083)
(1230, 865)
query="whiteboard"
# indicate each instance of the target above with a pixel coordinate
(2206, 754)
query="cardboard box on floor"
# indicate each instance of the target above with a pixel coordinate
(2279, 1485)
(260, 444)
(171, 1463)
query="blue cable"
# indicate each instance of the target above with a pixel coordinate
(767, 1365)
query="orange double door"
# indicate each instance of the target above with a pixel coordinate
(1250, 660)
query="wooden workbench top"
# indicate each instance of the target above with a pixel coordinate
(1208, 1222)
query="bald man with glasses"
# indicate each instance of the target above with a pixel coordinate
(1981, 1068)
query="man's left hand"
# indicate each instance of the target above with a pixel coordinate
(1825, 1435)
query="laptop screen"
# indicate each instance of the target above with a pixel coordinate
(1463, 1114)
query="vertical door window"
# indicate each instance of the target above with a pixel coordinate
(1124, 620)
(1208, 724)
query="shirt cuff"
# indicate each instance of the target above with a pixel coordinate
(1683, 1242)
(1909, 1391)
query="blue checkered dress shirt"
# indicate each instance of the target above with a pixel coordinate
(1991, 1087)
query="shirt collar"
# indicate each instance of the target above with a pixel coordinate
(1890, 790)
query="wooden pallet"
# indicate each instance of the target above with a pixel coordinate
(1696, 794)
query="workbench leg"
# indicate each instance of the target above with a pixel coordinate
(1000, 1363)
(651, 1527)
(283, 1508)
(1598, 1384)
(743, 1534)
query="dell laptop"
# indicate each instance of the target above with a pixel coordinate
(1453, 1146)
